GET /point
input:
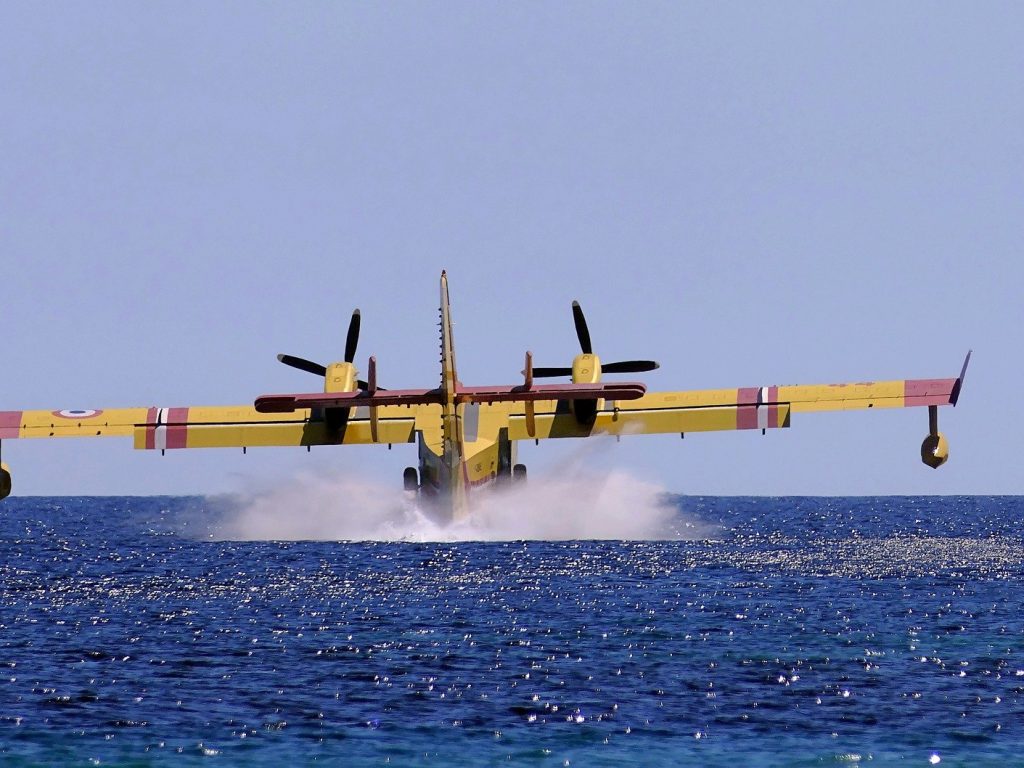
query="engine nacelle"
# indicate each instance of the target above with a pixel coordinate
(340, 377)
(5, 481)
(935, 450)
(586, 369)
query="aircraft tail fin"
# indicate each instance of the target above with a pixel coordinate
(449, 377)
(452, 445)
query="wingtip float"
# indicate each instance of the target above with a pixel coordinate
(935, 448)
(5, 481)
(467, 436)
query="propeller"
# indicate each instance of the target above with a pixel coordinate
(629, 366)
(353, 337)
(303, 365)
(583, 334)
(351, 341)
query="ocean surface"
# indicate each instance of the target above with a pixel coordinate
(775, 631)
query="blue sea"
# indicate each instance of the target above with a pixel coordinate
(785, 631)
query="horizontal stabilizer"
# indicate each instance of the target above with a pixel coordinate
(617, 391)
(357, 399)
(496, 394)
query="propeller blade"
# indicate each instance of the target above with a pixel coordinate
(547, 373)
(629, 366)
(582, 333)
(303, 365)
(353, 337)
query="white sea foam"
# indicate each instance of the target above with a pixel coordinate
(569, 501)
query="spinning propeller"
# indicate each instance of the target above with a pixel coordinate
(351, 340)
(583, 334)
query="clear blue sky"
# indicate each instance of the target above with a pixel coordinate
(751, 194)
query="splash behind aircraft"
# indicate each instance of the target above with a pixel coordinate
(467, 436)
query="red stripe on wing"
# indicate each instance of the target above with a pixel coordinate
(746, 410)
(151, 415)
(177, 427)
(10, 424)
(773, 407)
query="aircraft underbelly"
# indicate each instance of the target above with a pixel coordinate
(451, 474)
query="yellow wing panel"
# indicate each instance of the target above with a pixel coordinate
(723, 409)
(817, 397)
(244, 427)
(219, 426)
(845, 397)
(562, 423)
(254, 435)
(115, 422)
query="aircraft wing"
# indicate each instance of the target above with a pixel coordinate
(725, 409)
(217, 426)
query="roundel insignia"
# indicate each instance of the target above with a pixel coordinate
(77, 414)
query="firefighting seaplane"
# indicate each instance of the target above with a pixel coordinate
(466, 437)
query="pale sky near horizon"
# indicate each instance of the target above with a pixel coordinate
(750, 194)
